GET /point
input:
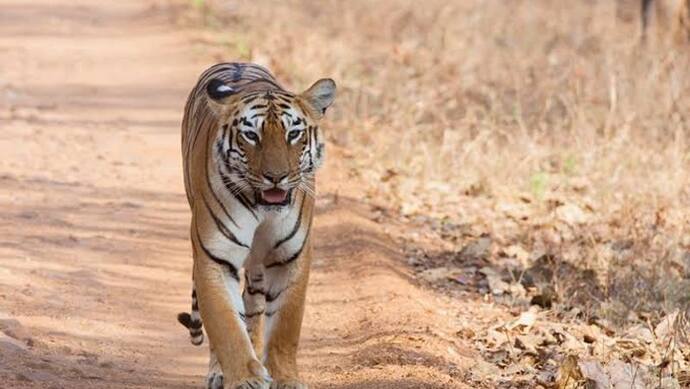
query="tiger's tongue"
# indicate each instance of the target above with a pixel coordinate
(274, 196)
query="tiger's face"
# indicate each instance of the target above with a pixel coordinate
(269, 142)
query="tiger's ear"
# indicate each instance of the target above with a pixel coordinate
(218, 94)
(320, 95)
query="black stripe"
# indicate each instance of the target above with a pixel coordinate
(283, 95)
(243, 120)
(222, 227)
(233, 150)
(196, 332)
(221, 141)
(273, 83)
(255, 69)
(238, 196)
(250, 315)
(296, 227)
(243, 82)
(308, 151)
(237, 70)
(231, 268)
(250, 98)
(289, 260)
(185, 319)
(213, 192)
(194, 119)
(195, 325)
(253, 291)
(249, 81)
(273, 297)
(225, 133)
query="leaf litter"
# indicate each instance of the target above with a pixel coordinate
(592, 302)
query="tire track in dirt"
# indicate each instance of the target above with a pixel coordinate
(94, 255)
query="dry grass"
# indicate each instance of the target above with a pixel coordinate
(485, 95)
(542, 124)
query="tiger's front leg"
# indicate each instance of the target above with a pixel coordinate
(285, 300)
(222, 312)
(254, 297)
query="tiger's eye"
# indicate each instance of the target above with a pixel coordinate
(294, 134)
(250, 136)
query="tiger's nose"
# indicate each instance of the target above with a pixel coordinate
(275, 177)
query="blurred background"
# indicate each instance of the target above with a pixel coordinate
(484, 96)
(528, 160)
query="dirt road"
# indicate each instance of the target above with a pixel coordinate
(94, 253)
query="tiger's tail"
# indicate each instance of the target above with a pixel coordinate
(193, 321)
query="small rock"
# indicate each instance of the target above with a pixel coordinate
(526, 320)
(11, 346)
(14, 329)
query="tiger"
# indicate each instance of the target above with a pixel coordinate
(671, 20)
(250, 152)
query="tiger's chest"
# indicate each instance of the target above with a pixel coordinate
(281, 236)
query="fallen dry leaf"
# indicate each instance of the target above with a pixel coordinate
(594, 374)
(626, 376)
(495, 338)
(525, 321)
(496, 285)
(569, 375)
(527, 343)
(571, 214)
(666, 327)
(517, 252)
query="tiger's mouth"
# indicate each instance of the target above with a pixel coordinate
(274, 196)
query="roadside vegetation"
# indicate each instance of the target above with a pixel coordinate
(537, 150)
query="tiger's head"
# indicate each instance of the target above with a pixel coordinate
(268, 141)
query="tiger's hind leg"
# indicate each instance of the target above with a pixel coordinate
(214, 378)
(254, 297)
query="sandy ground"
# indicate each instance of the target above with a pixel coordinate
(94, 253)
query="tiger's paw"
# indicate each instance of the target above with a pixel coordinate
(261, 380)
(288, 385)
(251, 383)
(214, 380)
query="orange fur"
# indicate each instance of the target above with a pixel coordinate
(243, 138)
